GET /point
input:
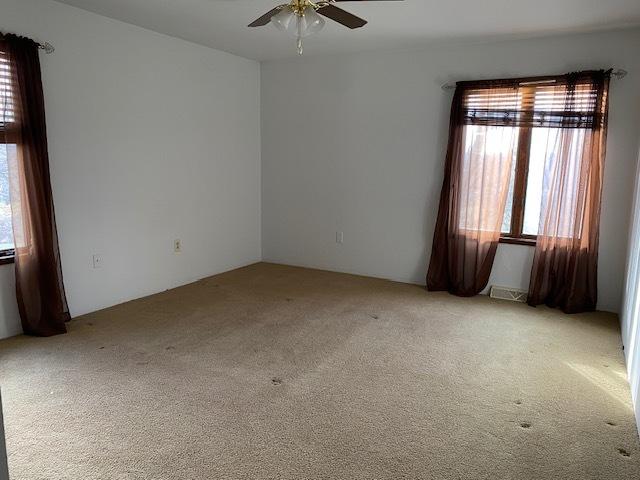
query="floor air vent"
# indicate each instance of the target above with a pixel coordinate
(506, 293)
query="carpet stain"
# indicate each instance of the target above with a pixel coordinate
(375, 317)
(518, 402)
(611, 424)
(623, 452)
(276, 381)
(525, 425)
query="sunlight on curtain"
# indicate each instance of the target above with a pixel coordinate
(487, 165)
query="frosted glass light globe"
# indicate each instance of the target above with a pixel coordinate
(298, 26)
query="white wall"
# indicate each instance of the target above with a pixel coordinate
(151, 139)
(9, 316)
(630, 314)
(356, 143)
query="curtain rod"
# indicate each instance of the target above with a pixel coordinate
(618, 73)
(46, 46)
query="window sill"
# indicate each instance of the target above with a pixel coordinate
(4, 260)
(529, 242)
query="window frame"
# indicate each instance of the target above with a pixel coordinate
(521, 176)
(7, 255)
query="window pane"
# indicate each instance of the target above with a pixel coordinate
(543, 142)
(6, 231)
(556, 157)
(489, 156)
(508, 208)
(546, 146)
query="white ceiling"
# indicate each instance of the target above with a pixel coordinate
(222, 24)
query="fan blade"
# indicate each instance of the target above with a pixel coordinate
(264, 19)
(341, 16)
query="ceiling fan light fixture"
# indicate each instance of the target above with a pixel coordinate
(298, 24)
(300, 18)
(311, 22)
(284, 20)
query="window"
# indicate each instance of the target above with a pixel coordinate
(7, 117)
(6, 229)
(522, 210)
(530, 125)
(524, 163)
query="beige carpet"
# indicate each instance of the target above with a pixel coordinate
(272, 372)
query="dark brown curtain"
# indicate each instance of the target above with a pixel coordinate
(39, 288)
(479, 161)
(568, 117)
(564, 273)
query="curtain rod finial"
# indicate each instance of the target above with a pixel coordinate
(47, 47)
(619, 73)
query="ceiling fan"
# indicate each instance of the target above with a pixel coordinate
(301, 18)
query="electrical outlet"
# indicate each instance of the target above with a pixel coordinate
(177, 245)
(97, 261)
(340, 237)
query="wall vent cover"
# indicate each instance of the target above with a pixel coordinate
(506, 293)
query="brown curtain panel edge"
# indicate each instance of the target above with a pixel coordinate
(437, 274)
(39, 285)
(564, 274)
(461, 261)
